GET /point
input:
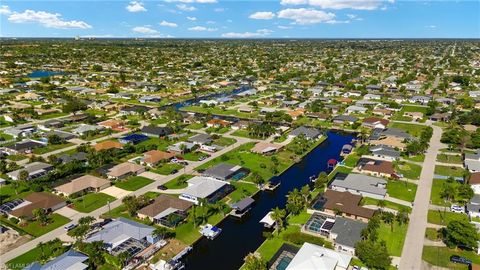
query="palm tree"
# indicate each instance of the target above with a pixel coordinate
(389, 218)
(87, 220)
(42, 246)
(278, 215)
(381, 204)
(305, 191)
(160, 232)
(40, 215)
(253, 262)
(295, 202)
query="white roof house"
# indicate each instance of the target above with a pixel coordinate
(201, 187)
(313, 257)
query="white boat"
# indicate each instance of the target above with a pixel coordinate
(210, 231)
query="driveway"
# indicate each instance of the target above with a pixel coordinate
(67, 212)
(411, 258)
(116, 192)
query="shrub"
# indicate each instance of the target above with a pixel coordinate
(299, 238)
(14, 220)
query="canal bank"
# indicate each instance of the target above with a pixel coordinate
(241, 236)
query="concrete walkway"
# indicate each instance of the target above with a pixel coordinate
(411, 258)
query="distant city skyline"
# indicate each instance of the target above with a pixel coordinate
(241, 19)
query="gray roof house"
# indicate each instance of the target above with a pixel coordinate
(70, 260)
(309, 133)
(356, 109)
(385, 152)
(84, 128)
(472, 161)
(473, 207)
(224, 171)
(200, 139)
(340, 119)
(346, 233)
(367, 186)
(201, 187)
(34, 170)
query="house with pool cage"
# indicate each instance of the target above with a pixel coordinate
(166, 210)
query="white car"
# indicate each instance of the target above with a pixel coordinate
(457, 209)
(70, 227)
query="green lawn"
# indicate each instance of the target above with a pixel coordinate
(395, 238)
(351, 160)
(167, 168)
(242, 133)
(409, 108)
(388, 204)
(188, 234)
(133, 183)
(440, 256)
(16, 157)
(409, 170)
(443, 218)
(35, 229)
(50, 148)
(417, 158)
(455, 159)
(432, 234)
(175, 184)
(194, 156)
(299, 219)
(449, 171)
(242, 190)
(224, 141)
(219, 130)
(412, 129)
(31, 256)
(91, 201)
(7, 192)
(401, 190)
(435, 194)
(270, 246)
(195, 126)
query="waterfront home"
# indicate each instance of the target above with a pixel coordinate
(34, 170)
(345, 204)
(166, 210)
(474, 182)
(82, 185)
(342, 119)
(311, 256)
(225, 171)
(472, 161)
(154, 157)
(205, 188)
(124, 170)
(373, 122)
(70, 260)
(355, 109)
(309, 133)
(156, 132)
(384, 152)
(36, 200)
(218, 123)
(379, 168)
(124, 235)
(181, 148)
(106, 145)
(346, 233)
(265, 148)
(367, 186)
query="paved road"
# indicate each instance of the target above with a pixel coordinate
(411, 258)
(60, 232)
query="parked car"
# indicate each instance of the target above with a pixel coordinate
(458, 259)
(70, 227)
(162, 187)
(105, 221)
(174, 172)
(457, 209)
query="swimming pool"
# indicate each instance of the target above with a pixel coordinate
(239, 176)
(283, 263)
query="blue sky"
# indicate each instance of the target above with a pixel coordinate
(241, 19)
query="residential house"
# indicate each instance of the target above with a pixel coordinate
(23, 147)
(201, 139)
(112, 124)
(384, 152)
(346, 204)
(379, 168)
(342, 119)
(34, 170)
(472, 161)
(156, 132)
(107, 145)
(373, 122)
(473, 207)
(78, 156)
(133, 138)
(70, 260)
(218, 123)
(166, 210)
(205, 188)
(309, 133)
(225, 171)
(154, 157)
(474, 182)
(83, 129)
(416, 116)
(124, 170)
(265, 148)
(145, 99)
(356, 109)
(37, 200)
(133, 110)
(443, 117)
(82, 185)
(346, 233)
(311, 256)
(181, 148)
(367, 186)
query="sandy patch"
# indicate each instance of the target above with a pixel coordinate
(12, 239)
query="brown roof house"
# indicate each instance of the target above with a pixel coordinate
(153, 157)
(378, 168)
(83, 185)
(166, 210)
(124, 170)
(105, 145)
(37, 200)
(374, 122)
(265, 148)
(347, 204)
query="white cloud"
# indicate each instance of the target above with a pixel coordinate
(5, 10)
(431, 27)
(184, 7)
(144, 30)
(262, 15)
(219, 9)
(135, 6)
(49, 20)
(354, 17)
(341, 4)
(201, 29)
(257, 34)
(168, 24)
(192, 18)
(306, 16)
(283, 27)
(193, 1)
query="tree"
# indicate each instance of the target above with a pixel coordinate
(322, 180)
(23, 175)
(389, 218)
(54, 139)
(253, 262)
(295, 202)
(402, 217)
(278, 215)
(373, 254)
(40, 216)
(87, 220)
(79, 232)
(461, 233)
(305, 191)
(160, 232)
(381, 204)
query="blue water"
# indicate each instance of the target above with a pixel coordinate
(242, 236)
(44, 73)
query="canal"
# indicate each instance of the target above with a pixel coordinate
(240, 237)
